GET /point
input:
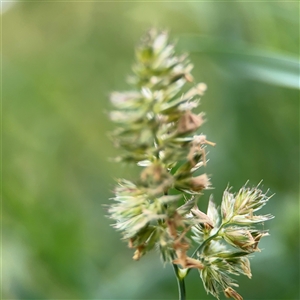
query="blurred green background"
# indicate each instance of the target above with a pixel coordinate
(60, 61)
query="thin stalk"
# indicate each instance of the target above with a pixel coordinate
(180, 283)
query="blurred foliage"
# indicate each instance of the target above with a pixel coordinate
(60, 61)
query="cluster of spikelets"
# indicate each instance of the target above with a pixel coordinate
(157, 129)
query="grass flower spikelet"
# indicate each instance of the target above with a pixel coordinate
(157, 128)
